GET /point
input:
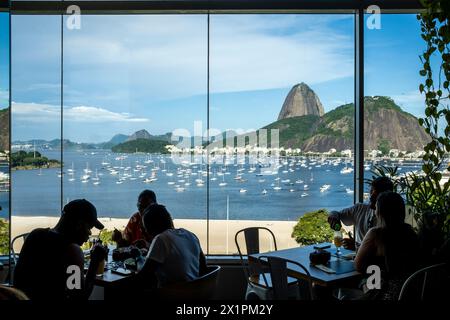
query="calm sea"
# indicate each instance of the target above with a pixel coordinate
(116, 180)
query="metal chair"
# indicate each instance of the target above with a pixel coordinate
(258, 287)
(430, 283)
(278, 270)
(202, 288)
(13, 253)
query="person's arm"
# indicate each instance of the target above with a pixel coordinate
(76, 257)
(366, 252)
(155, 257)
(119, 239)
(348, 215)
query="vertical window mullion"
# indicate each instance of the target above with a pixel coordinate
(207, 136)
(359, 106)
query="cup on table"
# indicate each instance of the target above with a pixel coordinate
(101, 267)
(338, 239)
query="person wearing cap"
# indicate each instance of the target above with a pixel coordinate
(42, 271)
(135, 233)
(361, 215)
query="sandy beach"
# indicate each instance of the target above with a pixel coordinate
(220, 231)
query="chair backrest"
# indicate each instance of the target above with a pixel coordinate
(278, 269)
(252, 246)
(22, 236)
(202, 288)
(429, 283)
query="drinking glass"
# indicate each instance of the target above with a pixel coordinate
(338, 237)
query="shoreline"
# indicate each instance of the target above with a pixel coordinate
(219, 230)
(50, 166)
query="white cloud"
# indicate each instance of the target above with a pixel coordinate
(411, 97)
(165, 56)
(35, 112)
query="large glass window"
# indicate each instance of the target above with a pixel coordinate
(4, 134)
(130, 83)
(291, 75)
(134, 115)
(36, 122)
(392, 134)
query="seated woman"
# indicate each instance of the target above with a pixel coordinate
(392, 245)
(174, 255)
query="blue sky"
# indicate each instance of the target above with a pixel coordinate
(125, 73)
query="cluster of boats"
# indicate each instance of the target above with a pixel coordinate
(4, 182)
(231, 172)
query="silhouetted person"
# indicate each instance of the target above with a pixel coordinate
(361, 215)
(134, 233)
(392, 245)
(42, 269)
(175, 255)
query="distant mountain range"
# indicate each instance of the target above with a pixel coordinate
(302, 123)
(141, 141)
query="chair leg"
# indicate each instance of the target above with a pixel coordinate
(257, 293)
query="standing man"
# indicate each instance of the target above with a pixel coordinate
(361, 215)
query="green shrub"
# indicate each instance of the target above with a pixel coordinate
(313, 228)
(106, 236)
(4, 236)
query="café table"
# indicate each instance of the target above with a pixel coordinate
(112, 283)
(344, 268)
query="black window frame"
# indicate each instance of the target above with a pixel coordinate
(211, 7)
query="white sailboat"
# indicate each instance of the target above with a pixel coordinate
(277, 187)
(214, 178)
(223, 183)
(87, 170)
(96, 178)
(346, 170)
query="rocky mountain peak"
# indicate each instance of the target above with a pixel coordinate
(301, 101)
(141, 134)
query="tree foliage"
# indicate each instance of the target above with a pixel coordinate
(141, 145)
(34, 159)
(429, 195)
(4, 236)
(313, 228)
